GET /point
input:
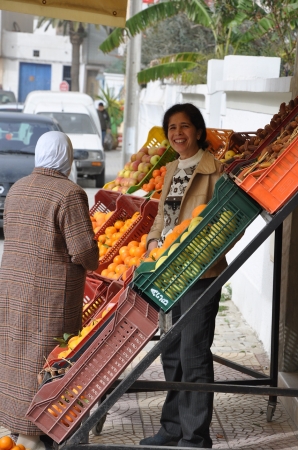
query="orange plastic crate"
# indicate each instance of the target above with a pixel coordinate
(141, 225)
(218, 139)
(95, 292)
(126, 206)
(233, 168)
(274, 186)
(105, 201)
(59, 407)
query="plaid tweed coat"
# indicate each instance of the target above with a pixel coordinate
(47, 249)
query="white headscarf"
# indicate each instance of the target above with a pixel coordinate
(54, 151)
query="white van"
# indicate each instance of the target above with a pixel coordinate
(78, 118)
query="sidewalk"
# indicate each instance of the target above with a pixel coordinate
(239, 421)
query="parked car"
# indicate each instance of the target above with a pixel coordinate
(11, 107)
(18, 136)
(7, 97)
(78, 118)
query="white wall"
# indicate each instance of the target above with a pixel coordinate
(242, 93)
(252, 283)
(53, 49)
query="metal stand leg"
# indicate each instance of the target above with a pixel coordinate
(97, 429)
(275, 319)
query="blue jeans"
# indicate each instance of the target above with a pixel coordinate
(103, 134)
(186, 416)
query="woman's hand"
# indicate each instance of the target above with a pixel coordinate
(151, 246)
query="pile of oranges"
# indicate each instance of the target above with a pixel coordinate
(112, 233)
(6, 443)
(156, 182)
(99, 218)
(74, 341)
(129, 255)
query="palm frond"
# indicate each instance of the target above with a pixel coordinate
(258, 30)
(185, 56)
(161, 71)
(199, 12)
(141, 21)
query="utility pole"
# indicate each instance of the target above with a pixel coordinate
(132, 89)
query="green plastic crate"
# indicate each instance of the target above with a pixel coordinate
(169, 155)
(225, 217)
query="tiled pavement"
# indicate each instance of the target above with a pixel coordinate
(239, 421)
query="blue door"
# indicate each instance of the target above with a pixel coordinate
(34, 77)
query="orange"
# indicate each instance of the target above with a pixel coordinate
(111, 275)
(118, 260)
(156, 173)
(118, 224)
(142, 245)
(125, 255)
(158, 186)
(96, 230)
(134, 261)
(163, 174)
(112, 267)
(127, 260)
(101, 238)
(132, 250)
(133, 244)
(98, 215)
(21, 447)
(170, 239)
(197, 210)
(110, 230)
(156, 252)
(6, 443)
(120, 269)
(144, 238)
(136, 215)
(123, 249)
(163, 168)
(182, 226)
(150, 187)
(139, 251)
(109, 214)
(109, 241)
(103, 250)
(105, 272)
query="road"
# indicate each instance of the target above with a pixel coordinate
(113, 165)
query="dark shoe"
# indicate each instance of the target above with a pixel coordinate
(160, 441)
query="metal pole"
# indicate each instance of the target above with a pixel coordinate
(131, 106)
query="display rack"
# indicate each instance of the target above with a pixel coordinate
(259, 385)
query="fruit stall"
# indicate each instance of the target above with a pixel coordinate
(124, 295)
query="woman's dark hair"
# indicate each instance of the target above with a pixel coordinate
(194, 115)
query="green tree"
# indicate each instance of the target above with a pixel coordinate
(234, 25)
(115, 109)
(77, 33)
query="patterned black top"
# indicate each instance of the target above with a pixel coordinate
(182, 175)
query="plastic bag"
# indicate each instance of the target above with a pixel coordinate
(108, 142)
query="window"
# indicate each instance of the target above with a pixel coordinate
(73, 123)
(21, 135)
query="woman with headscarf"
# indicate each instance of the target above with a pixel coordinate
(48, 248)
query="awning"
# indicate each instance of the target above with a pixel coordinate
(103, 12)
